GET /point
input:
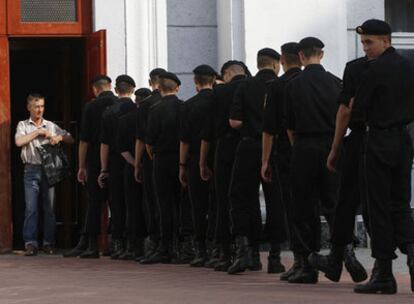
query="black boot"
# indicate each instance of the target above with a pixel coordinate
(79, 248)
(254, 263)
(410, 262)
(331, 264)
(213, 256)
(110, 249)
(274, 264)
(92, 252)
(295, 267)
(382, 280)
(163, 254)
(353, 266)
(225, 258)
(306, 274)
(150, 246)
(129, 252)
(139, 251)
(201, 255)
(184, 251)
(240, 262)
(118, 249)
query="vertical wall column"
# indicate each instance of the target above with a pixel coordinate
(245, 26)
(136, 36)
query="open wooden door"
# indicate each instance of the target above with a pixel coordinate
(6, 236)
(96, 64)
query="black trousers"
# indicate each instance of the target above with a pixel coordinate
(168, 190)
(349, 194)
(282, 160)
(386, 170)
(96, 198)
(313, 187)
(223, 167)
(244, 197)
(117, 197)
(185, 219)
(152, 216)
(135, 218)
(199, 197)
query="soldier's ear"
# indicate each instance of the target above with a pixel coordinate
(321, 55)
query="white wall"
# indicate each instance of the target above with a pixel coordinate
(270, 23)
(136, 36)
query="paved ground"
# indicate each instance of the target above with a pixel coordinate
(52, 279)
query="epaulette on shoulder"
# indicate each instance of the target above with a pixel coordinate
(357, 60)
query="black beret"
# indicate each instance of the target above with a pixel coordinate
(126, 79)
(205, 69)
(157, 72)
(290, 48)
(99, 78)
(171, 76)
(374, 27)
(309, 43)
(269, 53)
(143, 92)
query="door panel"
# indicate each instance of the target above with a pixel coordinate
(3, 21)
(5, 177)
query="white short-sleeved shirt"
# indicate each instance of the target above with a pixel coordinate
(29, 154)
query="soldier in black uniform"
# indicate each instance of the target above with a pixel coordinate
(350, 194)
(143, 163)
(311, 100)
(386, 96)
(217, 131)
(89, 165)
(276, 165)
(135, 221)
(246, 114)
(162, 143)
(193, 115)
(112, 165)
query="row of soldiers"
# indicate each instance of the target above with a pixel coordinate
(186, 175)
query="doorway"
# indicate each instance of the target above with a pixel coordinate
(55, 68)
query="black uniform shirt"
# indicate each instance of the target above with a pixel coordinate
(217, 124)
(275, 110)
(164, 125)
(142, 114)
(110, 122)
(91, 123)
(386, 93)
(311, 101)
(193, 117)
(249, 101)
(353, 74)
(126, 131)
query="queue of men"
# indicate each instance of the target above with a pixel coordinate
(183, 178)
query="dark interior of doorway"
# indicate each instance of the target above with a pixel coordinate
(53, 67)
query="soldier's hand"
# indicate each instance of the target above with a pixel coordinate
(266, 172)
(102, 179)
(82, 176)
(182, 175)
(331, 161)
(138, 174)
(205, 172)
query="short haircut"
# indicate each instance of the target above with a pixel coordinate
(155, 75)
(167, 85)
(310, 52)
(265, 61)
(204, 79)
(291, 59)
(124, 88)
(101, 84)
(236, 69)
(34, 96)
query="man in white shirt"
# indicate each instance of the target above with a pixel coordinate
(32, 133)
